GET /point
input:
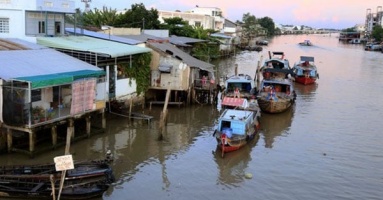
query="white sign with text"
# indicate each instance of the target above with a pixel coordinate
(64, 162)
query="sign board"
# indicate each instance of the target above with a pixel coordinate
(63, 162)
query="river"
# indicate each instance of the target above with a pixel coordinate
(328, 146)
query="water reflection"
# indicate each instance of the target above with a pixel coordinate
(232, 167)
(274, 125)
(305, 92)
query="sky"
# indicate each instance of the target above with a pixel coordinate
(338, 14)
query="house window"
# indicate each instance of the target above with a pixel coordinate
(4, 25)
(197, 24)
(36, 95)
(41, 27)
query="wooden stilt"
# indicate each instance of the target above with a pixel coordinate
(32, 141)
(103, 120)
(164, 115)
(87, 119)
(9, 140)
(54, 135)
(258, 73)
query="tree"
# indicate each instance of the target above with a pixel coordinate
(377, 33)
(268, 24)
(97, 18)
(249, 25)
(139, 17)
(177, 26)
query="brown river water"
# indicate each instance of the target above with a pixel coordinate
(328, 146)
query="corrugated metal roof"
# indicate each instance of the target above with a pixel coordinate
(220, 35)
(186, 58)
(142, 37)
(104, 36)
(94, 45)
(184, 40)
(27, 63)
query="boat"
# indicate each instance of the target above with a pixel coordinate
(235, 129)
(275, 62)
(305, 70)
(240, 85)
(262, 42)
(306, 43)
(241, 104)
(276, 94)
(87, 180)
(25, 188)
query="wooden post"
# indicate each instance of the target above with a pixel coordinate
(103, 120)
(87, 119)
(32, 140)
(70, 130)
(54, 135)
(69, 135)
(259, 72)
(9, 140)
(164, 114)
(130, 107)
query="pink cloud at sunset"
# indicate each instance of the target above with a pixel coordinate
(314, 13)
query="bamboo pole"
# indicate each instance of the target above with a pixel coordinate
(259, 72)
(164, 114)
(70, 130)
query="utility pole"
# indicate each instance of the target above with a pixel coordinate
(87, 6)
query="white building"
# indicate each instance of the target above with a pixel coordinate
(208, 18)
(27, 19)
(219, 20)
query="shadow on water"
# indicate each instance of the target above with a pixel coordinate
(232, 167)
(275, 125)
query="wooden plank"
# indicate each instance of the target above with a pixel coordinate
(37, 187)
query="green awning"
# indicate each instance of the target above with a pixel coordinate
(42, 81)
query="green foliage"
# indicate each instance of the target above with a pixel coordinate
(377, 33)
(177, 26)
(97, 18)
(206, 51)
(139, 70)
(250, 25)
(268, 24)
(352, 29)
(139, 17)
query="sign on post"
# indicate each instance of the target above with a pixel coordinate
(63, 162)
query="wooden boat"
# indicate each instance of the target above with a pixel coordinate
(82, 170)
(305, 70)
(26, 188)
(86, 180)
(235, 129)
(306, 43)
(276, 95)
(241, 86)
(277, 61)
(241, 104)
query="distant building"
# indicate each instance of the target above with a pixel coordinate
(373, 19)
(28, 19)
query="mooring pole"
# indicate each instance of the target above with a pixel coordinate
(164, 114)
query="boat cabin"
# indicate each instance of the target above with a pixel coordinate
(241, 82)
(235, 122)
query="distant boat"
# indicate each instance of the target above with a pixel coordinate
(235, 129)
(305, 70)
(262, 42)
(306, 43)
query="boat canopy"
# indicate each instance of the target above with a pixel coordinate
(307, 58)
